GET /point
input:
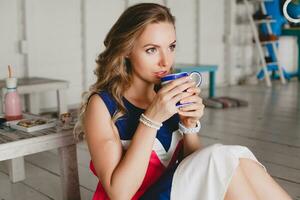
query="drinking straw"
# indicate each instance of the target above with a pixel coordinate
(9, 71)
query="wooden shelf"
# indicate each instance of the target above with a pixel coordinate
(262, 21)
(269, 42)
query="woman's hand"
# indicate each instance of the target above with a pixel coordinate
(190, 114)
(163, 105)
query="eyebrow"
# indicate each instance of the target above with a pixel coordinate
(157, 45)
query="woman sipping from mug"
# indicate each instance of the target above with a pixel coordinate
(141, 144)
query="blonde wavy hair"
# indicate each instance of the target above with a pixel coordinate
(113, 69)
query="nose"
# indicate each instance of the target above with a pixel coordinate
(164, 59)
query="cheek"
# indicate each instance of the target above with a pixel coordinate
(171, 63)
(144, 62)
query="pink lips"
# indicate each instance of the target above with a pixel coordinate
(160, 74)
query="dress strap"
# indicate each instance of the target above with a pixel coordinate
(109, 102)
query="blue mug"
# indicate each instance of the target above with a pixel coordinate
(195, 76)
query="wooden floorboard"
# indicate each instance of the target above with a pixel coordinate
(269, 127)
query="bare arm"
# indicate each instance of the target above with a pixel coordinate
(105, 147)
(191, 143)
(121, 176)
(189, 115)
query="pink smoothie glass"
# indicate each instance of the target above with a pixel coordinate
(13, 109)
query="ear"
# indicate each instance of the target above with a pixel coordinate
(127, 54)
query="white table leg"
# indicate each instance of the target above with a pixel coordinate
(2, 95)
(16, 166)
(62, 101)
(16, 169)
(69, 173)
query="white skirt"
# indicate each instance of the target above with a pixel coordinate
(206, 173)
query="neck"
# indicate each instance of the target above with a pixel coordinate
(140, 93)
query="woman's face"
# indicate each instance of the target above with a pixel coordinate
(153, 53)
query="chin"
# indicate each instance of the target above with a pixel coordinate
(156, 81)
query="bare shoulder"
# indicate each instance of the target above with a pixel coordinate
(96, 105)
(97, 118)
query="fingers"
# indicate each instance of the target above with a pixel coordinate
(175, 91)
(174, 84)
(189, 96)
(194, 90)
(180, 96)
(191, 99)
(192, 110)
(191, 107)
(181, 88)
(195, 114)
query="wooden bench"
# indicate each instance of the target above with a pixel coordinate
(16, 144)
(32, 87)
(211, 69)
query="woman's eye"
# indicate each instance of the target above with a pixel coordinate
(172, 47)
(151, 50)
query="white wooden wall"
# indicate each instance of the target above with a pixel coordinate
(288, 53)
(61, 38)
(54, 44)
(211, 35)
(9, 37)
(99, 17)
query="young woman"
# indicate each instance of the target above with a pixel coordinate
(142, 146)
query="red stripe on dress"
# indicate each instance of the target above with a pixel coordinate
(154, 171)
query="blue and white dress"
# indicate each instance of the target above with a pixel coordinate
(205, 174)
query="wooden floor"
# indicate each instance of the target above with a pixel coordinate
(269, 126)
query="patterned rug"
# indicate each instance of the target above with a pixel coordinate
(224, 102)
